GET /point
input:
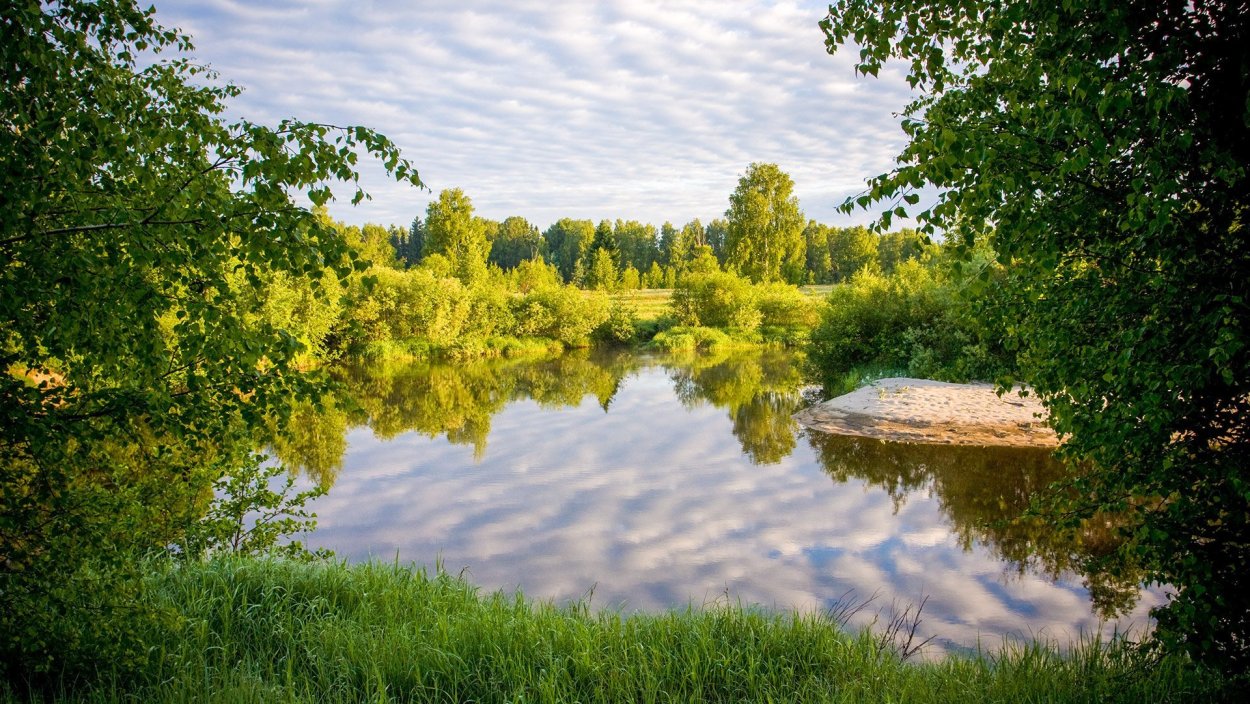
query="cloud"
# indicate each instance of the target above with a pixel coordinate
(642, 110)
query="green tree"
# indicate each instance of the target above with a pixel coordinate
(686, 244)
(716, 232)
(452, 231)
(668, 239)
(372, 244)
(894, 248)
(516, 241)
(819, 262)
(602, 274)
(765, 232)
(638, 244)
(410, 245)
(135, 227)
(630, 279)
(851, 249)
(568, 241)
(1107, 146)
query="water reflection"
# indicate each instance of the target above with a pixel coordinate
(643, 477)
(986, 493)
(759, 389)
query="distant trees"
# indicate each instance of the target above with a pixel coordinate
(764, 240)
(516, 241)
(568, 240)
(409, 244)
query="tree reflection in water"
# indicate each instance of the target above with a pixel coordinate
(986, 493)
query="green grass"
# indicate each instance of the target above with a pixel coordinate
(647, 304)
(652, 303)
(258, 630)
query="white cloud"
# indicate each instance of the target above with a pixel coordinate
(643, 110)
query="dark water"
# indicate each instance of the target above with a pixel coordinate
(649, 483)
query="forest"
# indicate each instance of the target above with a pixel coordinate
(174, 290)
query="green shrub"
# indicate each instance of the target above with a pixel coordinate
(561, 313)
(717, 300)
(914, 320)
(785, 306)
(621, 327)
(689, 338)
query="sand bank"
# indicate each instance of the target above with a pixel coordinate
(923, 411)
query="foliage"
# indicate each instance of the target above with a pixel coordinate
(568, 242)
(452, 231)
(561, 313)
(251, 516)
(764, 241)
(688, 338)
(516, 241)
(602, 272)
(719, 300)
(1107, 145)
(131, 365)
(916, 320)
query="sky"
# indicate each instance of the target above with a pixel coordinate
(546, 109)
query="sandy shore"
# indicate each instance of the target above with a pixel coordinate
(923, 411)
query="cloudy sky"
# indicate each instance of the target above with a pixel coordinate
(641, 110)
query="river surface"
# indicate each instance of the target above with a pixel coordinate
(649, 483)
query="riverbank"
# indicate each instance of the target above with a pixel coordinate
(902, 409)
(269, 630)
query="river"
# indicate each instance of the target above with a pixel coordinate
(657, 482)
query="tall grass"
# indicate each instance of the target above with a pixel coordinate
(256, 630)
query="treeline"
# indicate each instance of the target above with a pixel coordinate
(457, 284)
(768, 241)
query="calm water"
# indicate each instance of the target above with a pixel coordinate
(649, 483)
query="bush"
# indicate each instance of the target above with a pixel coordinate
(561, 313)
(913, 320)
(717, 300)
(621, 327)
(691, 338)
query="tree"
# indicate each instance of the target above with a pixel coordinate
(819, 262)
(687, 243)
(668, 239)
(568, 241)
(452, 231)
(851, 249)
(516, 242)
(765, 232)
(1106, 144)
(135, 359)
(410, 245)
(372, 243)
(716, 233)
(602, 273)
(605, 241)
(637, 242)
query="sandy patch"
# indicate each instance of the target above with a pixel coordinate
(923, 411)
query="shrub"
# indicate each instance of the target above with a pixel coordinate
(716, 299)
(561, 313)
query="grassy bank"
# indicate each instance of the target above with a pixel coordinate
(261, 630)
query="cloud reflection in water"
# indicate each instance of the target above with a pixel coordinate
(655, 505)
